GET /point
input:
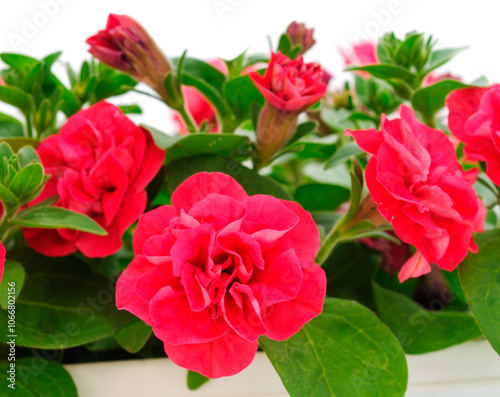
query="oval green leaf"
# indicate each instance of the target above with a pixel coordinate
(321, 196)
(420, 330)
(57, 218)
(480, 278)
(63, 304)
(37, 376)
(345, 351)
(12, 282)
(429, 100)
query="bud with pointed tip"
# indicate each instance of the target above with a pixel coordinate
(299, 34)
(125, 45)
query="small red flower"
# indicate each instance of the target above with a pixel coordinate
(474, 119)
(100, 163)
(218, 268)
(419, 186)
(290, 86)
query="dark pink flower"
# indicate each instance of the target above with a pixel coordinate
(290, 86)
(100, 163)
(419, 186)
(218, 268)
(127, 46)
(474, 119)
(300, 35)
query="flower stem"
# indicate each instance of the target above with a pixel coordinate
(328, 245)
(187, 119)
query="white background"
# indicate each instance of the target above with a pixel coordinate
(210, 28)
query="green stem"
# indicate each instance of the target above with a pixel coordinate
(328, 245)
(187, 119)
(29, 128)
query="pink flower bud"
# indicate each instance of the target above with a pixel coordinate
(125, 45)
(300, 35)
(290, 87)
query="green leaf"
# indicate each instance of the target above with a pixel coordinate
(49, 60)
(17, 143)
(241, 92)
(440, 57)
(70, 104)
(9, 199)
(235, 65)
(15, 97)
(420, 330)
(480, 278)
(336, 119)
(345, 351)
(195, 380)
(210, 93)
(409, 49)
(130, 109)
(102, 345)
(10, 127)
(5, 151)
(18, 62)
(27, 155)
(180, 169)
(385, 71)
(349, 272)
(134, 336)
(228, 145)
(313, 147)
(203, 71)
(39, 377)
(13, 273)
(63, 304)
(57, 218)
(429, 100)
(113, 85)
(303, 129)
(321, 197)
(27, 181)
(344, 153)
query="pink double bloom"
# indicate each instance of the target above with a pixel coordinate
(419, 186)
(218, 269)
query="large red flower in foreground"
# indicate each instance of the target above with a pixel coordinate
(218, 268)
(419, 186)
(475, 119)
(100, 163)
